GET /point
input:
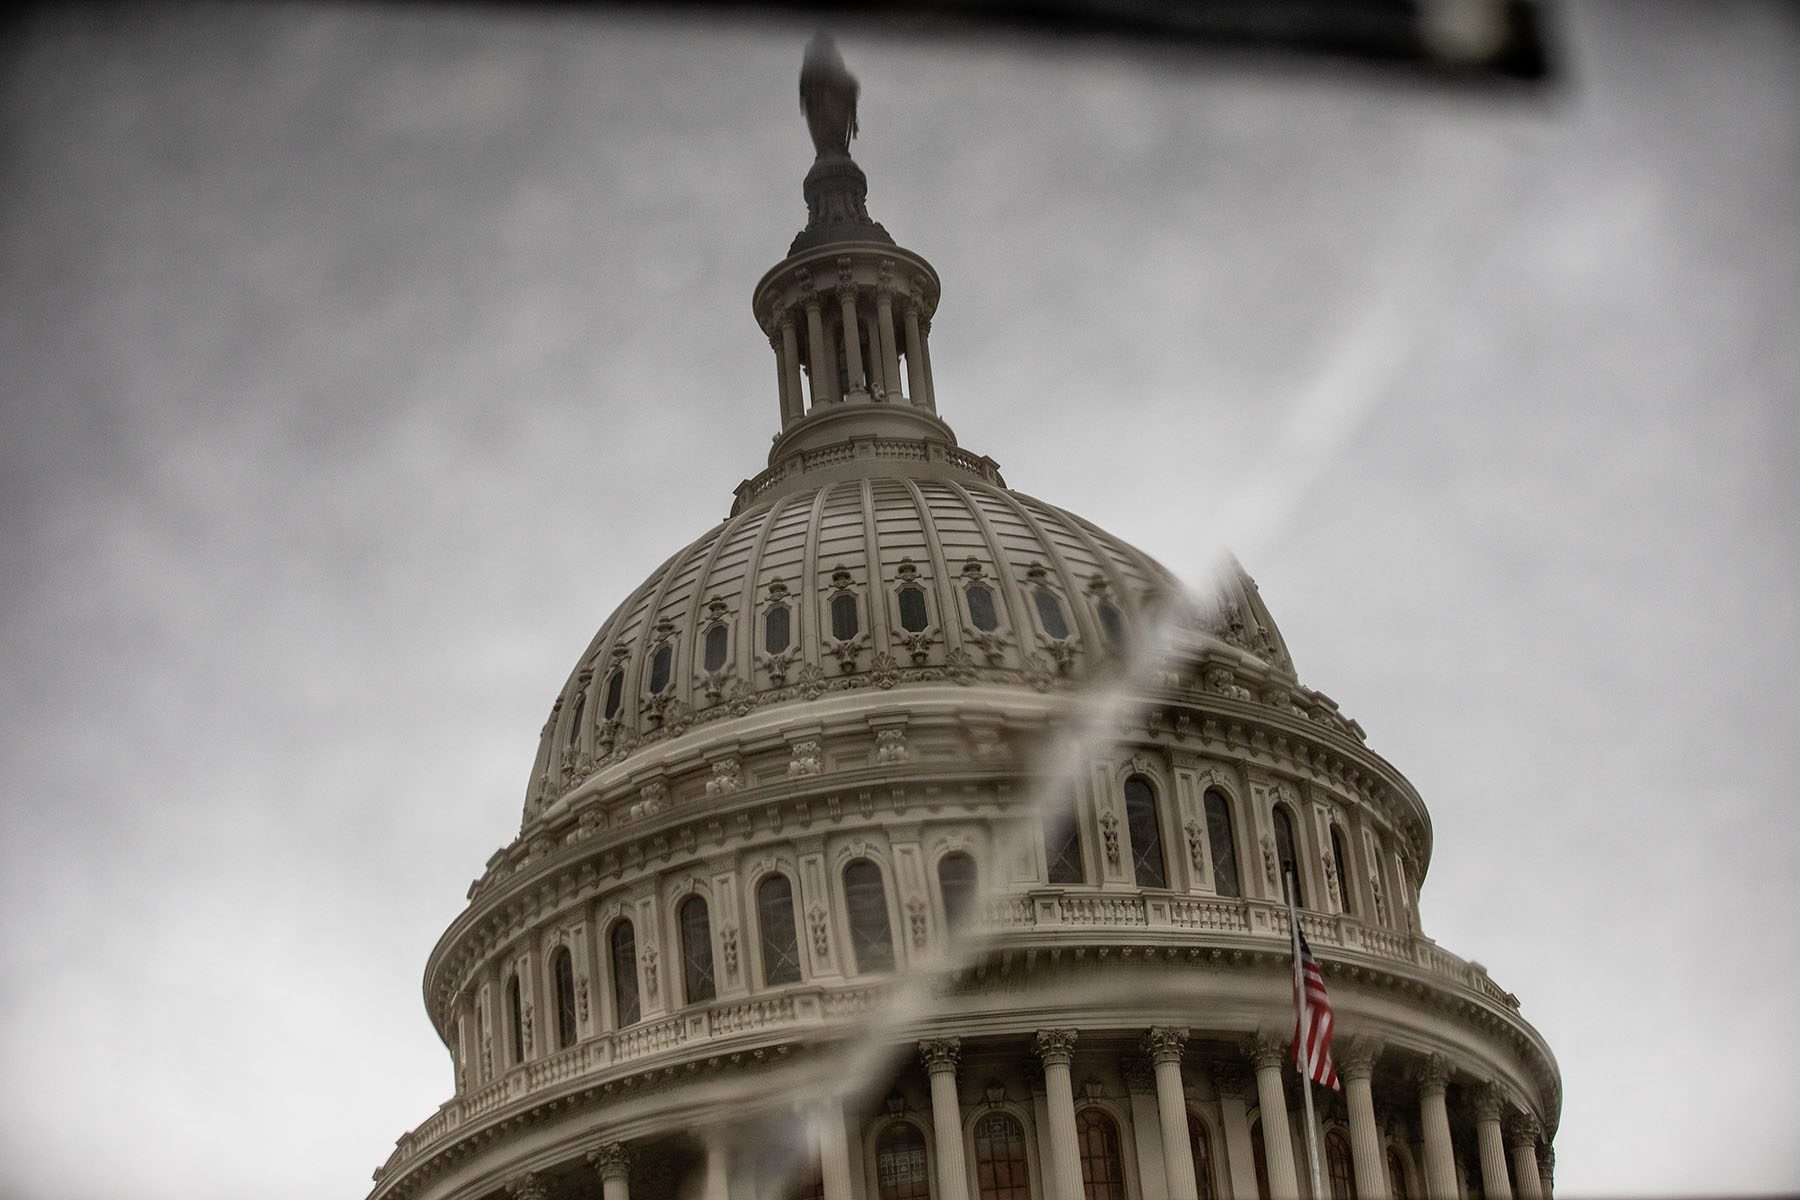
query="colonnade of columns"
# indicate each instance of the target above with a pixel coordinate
(1497, 1133)
(833, 329)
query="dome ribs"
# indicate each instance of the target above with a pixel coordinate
(1013, 595)
(943, 584)
(1067, 580)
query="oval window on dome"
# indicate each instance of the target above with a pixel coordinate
(1112, 625)
(718, 641)
(775, 630)
(981, 608)
(913, 617)
(659, 668)
(846, 619)
(1050, 612)
(615, 692)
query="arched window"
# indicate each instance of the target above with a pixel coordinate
(1284, 851)
(574, 736)
(1050, 612)
(562, 969)
(696, 951)
(981, 608)
(615, 692)
(1062, 844)
(718, 641)
(913, 615)
(846, 618)
(660, 664)
(624, 974)
(775, 924)
(1340, 862)
(1396, 1175)
(1146, 833)
(775, 629)
(1102, 1174)
(1221, 844)
(1200, 1142)
(1260, 1156)
(1001, 1172)
(1112, 626)
(957, 883)
(900, 1169)
(515, 1020)
(1340, 1175)
(865, 900)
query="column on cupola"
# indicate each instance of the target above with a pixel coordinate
(1165, 1044)
(1487, 1108)
(918, 378)
(793, 399)
(612, 1162)
(925, 358)
(853, 363)
(1547, 1172)
(827, 1121)
(1233, 1088)
(1357, 1068)
(1056, 1049)
(824, 371)
(1522, 1133)
(528, 1187)
(1433, 1077)
(884, 331)
(1269, 1056)
(940, 1055)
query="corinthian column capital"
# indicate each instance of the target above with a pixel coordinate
(1357, 1061)
(611, 1161)
(1055, 1047)
(940, 1054)
(1165, 1043)
(1432, 1074)
(1266, 1052)
(1489, 1102)
(528, 1187)
(1523, 1130)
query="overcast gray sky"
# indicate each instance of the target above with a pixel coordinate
(355, 363)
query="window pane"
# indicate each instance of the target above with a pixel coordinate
(562, 966)
(1001, 1172)
(717, 642)
(1342, 1178)
(659, 669)
(1112, 625)
(870, 939)
(1200, 1142)
(1050, 612)
(981, 608)
(958, 885)
(913, 617)
(615, 687)
(624, 973)
(1341, 863)
(845, 618)
(1146, 833)
(1062, 845)
(775, 921)
(775, 630)
(1396, 1175)
(900, 1164)
(696, 951)
(575, 718)
(515, 1020)
(1222, 844)
(1102, 1175)
(1284, 851)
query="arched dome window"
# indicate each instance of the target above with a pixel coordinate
(982, 613)
(1145, 829)
(1102, 1172)
(562, 971)
(696, 951)
(900, 1168)
(846, 617)
(957, 883)
(615, 692)
(1062, 845)
(1340, 862)
(1221, 843)
(1396, 1172)
(1340, 1175)
(913, 615)
(1050, 612)
(775, 926)
(776, 632)
(660, 664)
(1200, 1143)
(1284, 850)
(1001, 1172)
(574, 735)
(718, 642)
(865, 901)
(623, 948)
(515, 1019)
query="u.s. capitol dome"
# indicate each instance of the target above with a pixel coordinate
(789, 914)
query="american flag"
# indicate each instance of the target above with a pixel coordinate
(1312, 1045)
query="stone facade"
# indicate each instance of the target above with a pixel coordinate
(801, 818)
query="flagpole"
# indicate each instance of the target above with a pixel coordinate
(1302, 1053)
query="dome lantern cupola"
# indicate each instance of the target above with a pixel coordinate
(848, 315)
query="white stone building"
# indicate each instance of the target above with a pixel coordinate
(802, 905)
